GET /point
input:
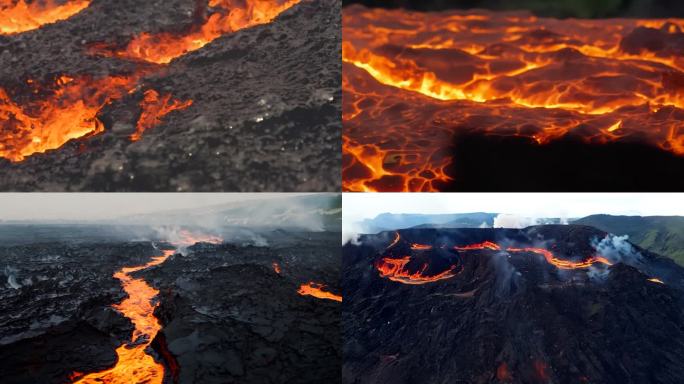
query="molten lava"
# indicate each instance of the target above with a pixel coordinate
(420, 247)
(413, 80)
(656, 280)
(20, 16)
(67, 110)
(397, 270)
(134, 365)
(276, 268)
(548, 255)
(189, 238)
(154, 108)
(227, 16)
(317, 290)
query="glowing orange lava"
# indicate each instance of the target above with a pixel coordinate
(67, 111)
(228, 16)
(21, 16)
(189, 238)
(413, 80)
(276, 268)
(134, 365)
(548, 255)
(421, 247)
(656, 280)
(396, 270)
(317, 290)
(153, 109)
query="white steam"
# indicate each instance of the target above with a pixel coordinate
(506, 220)
(616, 249)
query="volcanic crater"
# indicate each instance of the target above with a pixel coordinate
(544, 304)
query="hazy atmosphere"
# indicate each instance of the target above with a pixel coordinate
(96, 206)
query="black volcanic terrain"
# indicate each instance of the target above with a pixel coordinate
(230, 312)
(544, 304)
(264, 114)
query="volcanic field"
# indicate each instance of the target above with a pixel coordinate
(181, 95)
(544, 304)
(204, 311)
(482, 100)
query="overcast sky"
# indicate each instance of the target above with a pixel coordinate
(94, 206)
(357, 206)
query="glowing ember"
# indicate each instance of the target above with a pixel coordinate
(21, 16)
(153, 109)
(502, 373)
(396, 270)
(317, 290)
(228, 16)
(68, 111)
(276, 268)
(548, 255)
(656, 280)
(190, 238)
(412, 80)
(134, 365)
(421, 247)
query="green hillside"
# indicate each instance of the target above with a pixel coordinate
(660, 234)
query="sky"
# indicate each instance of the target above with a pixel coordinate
(95, 206)
(358, 206)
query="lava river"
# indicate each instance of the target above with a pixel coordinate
(134, 365)
(413, 81)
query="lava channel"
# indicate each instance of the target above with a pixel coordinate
(20, 16)
(548, 255)
(318, 290)
(398, 270)
(68, 109)
(226, 16)
(134, 365)
(413, 81)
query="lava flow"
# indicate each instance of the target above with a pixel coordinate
(317, 290)
(226, 16)
(186, 238)
(548, 255)
(134, 365)
(20, 16)
(68, 109)
(397, 270)
(412, 81)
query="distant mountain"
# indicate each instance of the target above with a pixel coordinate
(660, 234)
(391, 221)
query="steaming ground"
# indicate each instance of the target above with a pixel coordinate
(226, 314)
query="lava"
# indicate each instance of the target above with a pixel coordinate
(396, 270)
(20, 16)
(548, 255)
(276, 268)
(154, 108)
(502, 372)
(656, 280)
(317, 290)
(187, 237)
(227, 16)
(134, 365)
(68, 110)
(394, 242)
(421, 247)
(413, 80)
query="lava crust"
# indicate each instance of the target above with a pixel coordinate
(418, 86)
(509, 314)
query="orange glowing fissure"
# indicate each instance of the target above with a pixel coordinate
(228, 16)
(134, 364)
(396, 270)
(548, 255)
(318, 290)
(21, 16)
(69, 108)
(412, 80)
